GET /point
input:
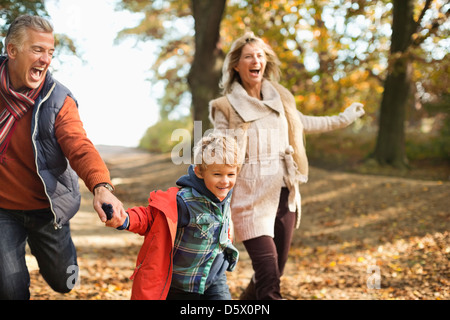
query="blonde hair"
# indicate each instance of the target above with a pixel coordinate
(17, 31)
(216, 148)
(230, 75)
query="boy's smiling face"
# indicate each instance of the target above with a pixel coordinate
(219, 178)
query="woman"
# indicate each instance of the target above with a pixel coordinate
(266, 196)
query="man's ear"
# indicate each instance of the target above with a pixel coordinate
(198, 172)
(12, 50)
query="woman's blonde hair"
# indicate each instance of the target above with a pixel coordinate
(216, 148)
(230, 75)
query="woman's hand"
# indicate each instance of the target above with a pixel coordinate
(353, 112)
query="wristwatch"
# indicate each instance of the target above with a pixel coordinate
(106, 185)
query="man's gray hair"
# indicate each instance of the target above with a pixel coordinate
(17, 30)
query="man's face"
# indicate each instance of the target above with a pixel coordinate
(28, 65)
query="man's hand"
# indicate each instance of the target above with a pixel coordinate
(103, 195)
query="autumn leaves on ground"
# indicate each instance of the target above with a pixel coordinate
(361, 236)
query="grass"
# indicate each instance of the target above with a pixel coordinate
(347, 150)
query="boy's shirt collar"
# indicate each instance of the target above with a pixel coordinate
(211, 196)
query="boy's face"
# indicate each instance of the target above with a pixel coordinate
(219, 178)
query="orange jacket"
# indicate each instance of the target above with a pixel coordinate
(158, 224)
(18, 173)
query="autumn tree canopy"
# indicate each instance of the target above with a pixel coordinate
(9, 10)
(332, 52)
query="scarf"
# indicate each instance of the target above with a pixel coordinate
(17, 104)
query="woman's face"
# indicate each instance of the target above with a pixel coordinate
(251, 65)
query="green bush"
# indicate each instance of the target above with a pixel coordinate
(158, 137)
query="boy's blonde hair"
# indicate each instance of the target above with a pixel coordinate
(216, 148)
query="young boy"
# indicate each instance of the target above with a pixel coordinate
(187, 248)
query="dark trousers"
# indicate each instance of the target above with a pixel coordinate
(218, 290)
(53, 249)
(269, 255)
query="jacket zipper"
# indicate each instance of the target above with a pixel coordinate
(55, 223)
(135, 271)
(168, 273)
(143, 259)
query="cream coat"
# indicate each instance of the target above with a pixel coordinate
(274, 156)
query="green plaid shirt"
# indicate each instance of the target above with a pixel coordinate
(197, 244)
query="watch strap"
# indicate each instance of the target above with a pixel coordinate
(105, 185)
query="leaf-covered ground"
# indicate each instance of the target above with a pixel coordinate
(361, 237)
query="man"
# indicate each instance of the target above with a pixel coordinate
(41, 140)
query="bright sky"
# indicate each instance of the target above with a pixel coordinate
(116, 103)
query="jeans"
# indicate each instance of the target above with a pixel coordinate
(218, 290)
(53, 249)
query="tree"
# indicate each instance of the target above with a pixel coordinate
(180, 48)
(390, 146)
(206, 68)
(332, 52)
(9, 10)
(168, 23)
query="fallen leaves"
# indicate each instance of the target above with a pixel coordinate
(104, 275)
(356, 229)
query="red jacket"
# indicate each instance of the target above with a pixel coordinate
(158, 224)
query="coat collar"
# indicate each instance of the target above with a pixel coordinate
(250, 108)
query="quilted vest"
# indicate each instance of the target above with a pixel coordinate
(59, 179)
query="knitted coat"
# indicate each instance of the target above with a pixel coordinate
(272, 124)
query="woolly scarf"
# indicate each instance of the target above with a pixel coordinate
(16, 106)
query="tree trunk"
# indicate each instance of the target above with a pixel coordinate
(206, 68)
(390, 147)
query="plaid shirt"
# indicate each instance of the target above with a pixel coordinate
(197, 244)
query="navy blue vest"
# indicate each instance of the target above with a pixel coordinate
(59, 179)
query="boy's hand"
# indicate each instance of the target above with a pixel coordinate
(103, 195)
(110, 214)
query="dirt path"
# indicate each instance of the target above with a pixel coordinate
(361, 237)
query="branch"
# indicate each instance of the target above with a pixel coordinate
(422, 14)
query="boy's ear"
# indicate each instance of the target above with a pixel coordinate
(198, 172)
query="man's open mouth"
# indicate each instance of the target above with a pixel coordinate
(36, 72)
